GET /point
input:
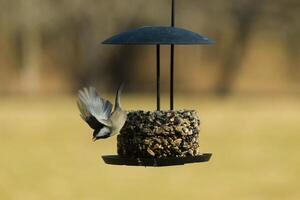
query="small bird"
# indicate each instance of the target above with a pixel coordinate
(97, 112)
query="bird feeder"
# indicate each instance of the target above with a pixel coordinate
(159, 138)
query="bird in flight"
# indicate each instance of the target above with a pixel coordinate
(97, 113)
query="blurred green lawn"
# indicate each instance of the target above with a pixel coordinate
(46, 152)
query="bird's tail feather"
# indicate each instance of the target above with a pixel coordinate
(118, 95)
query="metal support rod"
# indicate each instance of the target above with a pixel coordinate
(158, 77)
(172, 61)
(172, 79)
(173, 13)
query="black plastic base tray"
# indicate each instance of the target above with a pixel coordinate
(155, 162)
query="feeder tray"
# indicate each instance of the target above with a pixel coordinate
(132, 148)
(155, 162)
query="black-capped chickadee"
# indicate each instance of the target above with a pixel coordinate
(97, 112)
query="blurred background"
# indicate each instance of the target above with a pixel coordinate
(246, 88)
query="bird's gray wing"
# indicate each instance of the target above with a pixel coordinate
(91, 104)
(91, 120)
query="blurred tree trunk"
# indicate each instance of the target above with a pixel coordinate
(244, 13)
(30, 63)
(30, 46)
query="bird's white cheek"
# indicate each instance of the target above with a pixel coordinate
(103, 132)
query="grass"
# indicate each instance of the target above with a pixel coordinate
(46, 152)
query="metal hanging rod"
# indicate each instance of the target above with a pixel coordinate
(158, 77)
(172, 60)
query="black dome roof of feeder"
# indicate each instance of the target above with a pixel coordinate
(159, 35)
(154, 35)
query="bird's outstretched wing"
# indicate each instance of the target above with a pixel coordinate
(94, 110)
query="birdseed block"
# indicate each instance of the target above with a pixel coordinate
(160, 134)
